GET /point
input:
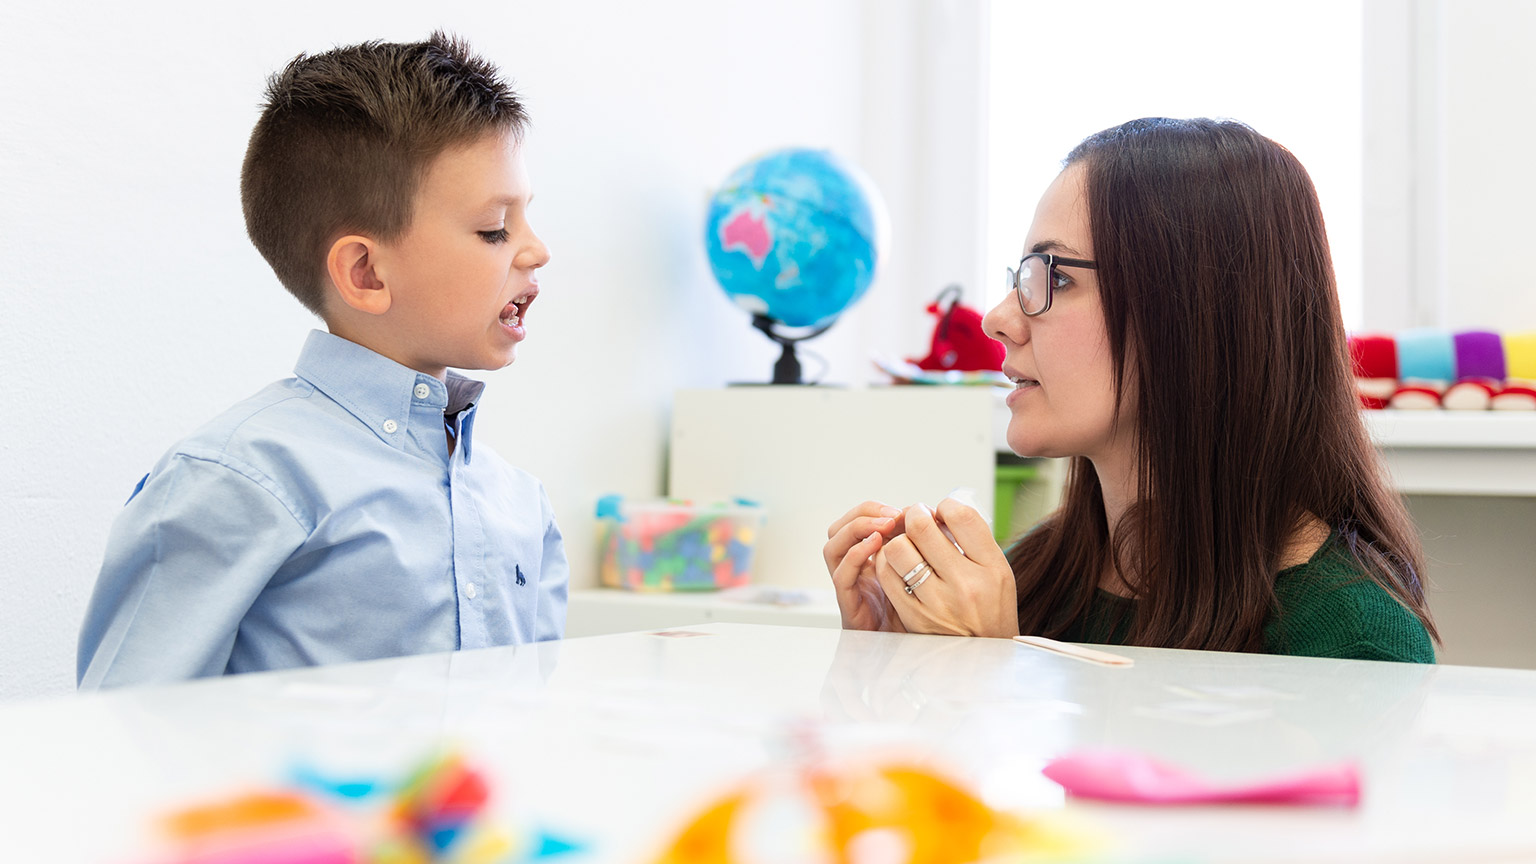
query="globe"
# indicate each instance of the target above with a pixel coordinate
(794, 237)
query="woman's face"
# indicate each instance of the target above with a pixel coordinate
(1063, 401)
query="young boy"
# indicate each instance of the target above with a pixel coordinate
(348, 513)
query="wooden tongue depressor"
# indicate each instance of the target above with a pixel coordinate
(1077, 651)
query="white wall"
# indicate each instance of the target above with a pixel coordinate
(1448, 174)
(1489, 86)
(135, 308)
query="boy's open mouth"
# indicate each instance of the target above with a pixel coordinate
(513, 313)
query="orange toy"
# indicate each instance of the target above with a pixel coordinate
(932, 818)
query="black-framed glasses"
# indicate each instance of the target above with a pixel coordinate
(1036, 280)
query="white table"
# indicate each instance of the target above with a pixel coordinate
(619, 738)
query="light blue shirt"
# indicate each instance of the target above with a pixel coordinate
(323, 520)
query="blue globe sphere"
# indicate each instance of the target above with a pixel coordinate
(796, 236)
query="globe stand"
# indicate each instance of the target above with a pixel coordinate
(787, 369)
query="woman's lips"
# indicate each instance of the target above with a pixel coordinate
(1020, 387)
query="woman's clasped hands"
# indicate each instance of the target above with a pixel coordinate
(897, 570)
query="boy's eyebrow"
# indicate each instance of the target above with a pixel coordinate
(1054, 246)
(509, 200)
(501, 202)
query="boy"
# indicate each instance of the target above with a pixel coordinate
(348, 513)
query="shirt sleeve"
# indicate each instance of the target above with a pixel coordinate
(549, 622)
(185, 560)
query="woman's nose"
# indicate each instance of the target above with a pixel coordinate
(1005, 322)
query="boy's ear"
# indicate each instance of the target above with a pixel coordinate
(350, 264)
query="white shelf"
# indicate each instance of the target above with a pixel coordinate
(1458, 452)
(599, 611)
(1435, 452)
(1450, 430)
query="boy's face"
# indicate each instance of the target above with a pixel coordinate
(463, 275)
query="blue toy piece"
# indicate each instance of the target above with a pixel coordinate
(1426, 354)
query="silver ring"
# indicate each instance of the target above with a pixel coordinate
(912, 574)
(913, 586)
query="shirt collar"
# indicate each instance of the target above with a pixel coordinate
(380, 392)
(463, 393)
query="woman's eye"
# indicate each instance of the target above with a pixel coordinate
(1060, 280)
(497, 236)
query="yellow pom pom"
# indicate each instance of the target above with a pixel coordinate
(1520, 355)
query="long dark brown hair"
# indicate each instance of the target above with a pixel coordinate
(1215, 278)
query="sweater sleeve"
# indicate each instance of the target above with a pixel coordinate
(1326, 609)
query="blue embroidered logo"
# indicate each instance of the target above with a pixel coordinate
(520, 579)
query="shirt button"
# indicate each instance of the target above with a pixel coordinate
(423, 391)
(470, 590)
(390, 426)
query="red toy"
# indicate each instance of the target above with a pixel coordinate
(959, 342)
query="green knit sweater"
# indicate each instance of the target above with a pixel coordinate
(1326, 607)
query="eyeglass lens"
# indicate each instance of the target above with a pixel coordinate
(1030, 282)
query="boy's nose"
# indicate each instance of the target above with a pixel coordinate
(533, 255)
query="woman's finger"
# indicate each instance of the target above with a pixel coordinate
(851, 585)
(874, 509)
(891, 564)
(924, 534)
(855, 531)
(971, 531)
(901, 557)
(845, 575)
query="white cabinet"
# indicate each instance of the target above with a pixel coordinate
(807, 454)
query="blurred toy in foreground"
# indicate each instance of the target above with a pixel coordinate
(675, 545)
(898, 813)
(1423, 368)
(438, 815)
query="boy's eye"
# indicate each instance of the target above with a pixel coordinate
(497, 236)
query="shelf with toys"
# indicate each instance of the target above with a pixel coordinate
(1454, 413)
(1466, 443)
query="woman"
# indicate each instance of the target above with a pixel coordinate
(1175, 328)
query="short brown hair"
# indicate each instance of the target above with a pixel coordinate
(345, 138)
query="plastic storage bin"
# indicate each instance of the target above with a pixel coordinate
(664, 545)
